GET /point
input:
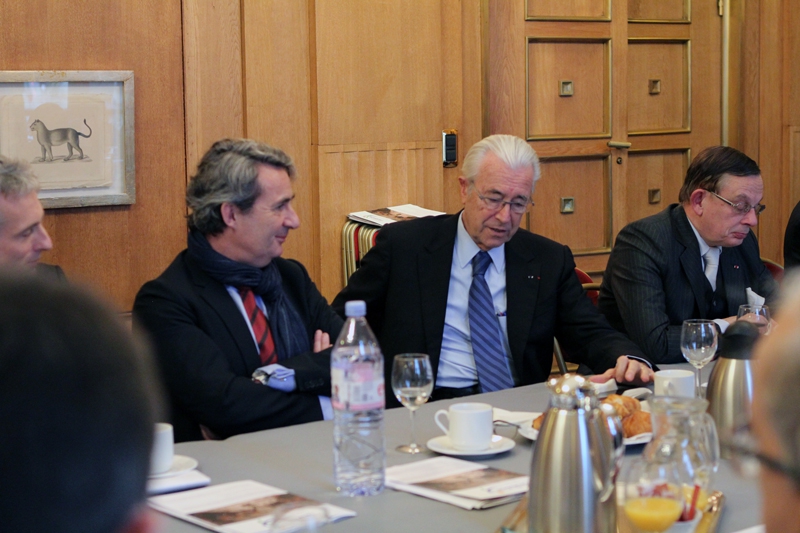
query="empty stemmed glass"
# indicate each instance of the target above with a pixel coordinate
(757, 315)
(699, 338)
(412, 383)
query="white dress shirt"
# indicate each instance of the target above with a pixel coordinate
(324, 401)
(704, 248)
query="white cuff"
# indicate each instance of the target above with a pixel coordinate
(723, 324)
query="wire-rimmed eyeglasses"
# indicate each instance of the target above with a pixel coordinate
(742, 208)
(747, 460)
(492, 203)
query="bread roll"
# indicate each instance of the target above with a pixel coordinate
(537, 422)
(624, 405)
(636, 423)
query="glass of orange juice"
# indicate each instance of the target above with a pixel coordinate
(652, 495)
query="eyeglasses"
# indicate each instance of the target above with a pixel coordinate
(747, 460)
(517, 207)
(742, 208)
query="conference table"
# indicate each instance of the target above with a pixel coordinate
(300, 459)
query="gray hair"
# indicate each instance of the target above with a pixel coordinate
(228, 173)
(516, 153)
(16, 177)
(783, 373)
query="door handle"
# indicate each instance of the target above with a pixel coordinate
(619, 144)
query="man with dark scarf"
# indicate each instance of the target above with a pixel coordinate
(229, 305)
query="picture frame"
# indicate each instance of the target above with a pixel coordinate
(44, 117)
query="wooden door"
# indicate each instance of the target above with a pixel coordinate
(580, 79)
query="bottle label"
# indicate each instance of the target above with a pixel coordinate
(357, 388)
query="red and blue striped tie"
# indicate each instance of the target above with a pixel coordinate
(266, 344)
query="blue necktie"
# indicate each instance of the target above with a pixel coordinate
(487, 344)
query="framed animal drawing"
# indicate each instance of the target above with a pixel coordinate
(76, 129)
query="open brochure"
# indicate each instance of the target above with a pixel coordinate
(387, 215)
(455, 481)
(247, 507)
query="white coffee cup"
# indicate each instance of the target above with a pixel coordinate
(470, 424)
(674, 382)
(163, 449)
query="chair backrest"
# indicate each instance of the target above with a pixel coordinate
(774, 268)
(591, 288)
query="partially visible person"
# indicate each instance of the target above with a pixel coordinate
(791, 240)
(23, 238)
(695, 259)
(776, 416)
(78, 399)
(481, 296)
(229, 305)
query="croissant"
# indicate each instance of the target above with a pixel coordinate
(624, 405)
(636, 423)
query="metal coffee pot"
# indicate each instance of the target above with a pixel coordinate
(575, 462)
(730, 387)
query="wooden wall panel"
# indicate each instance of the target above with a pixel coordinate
(114, 249)
(212, 63)
(667, 64)
(660, 10)
(379, 68)
(586, 180)
(586, 112)
(658, 169)
(594, 9)
(278, 87)
(406, 172)
(462, 81)
(771, 131)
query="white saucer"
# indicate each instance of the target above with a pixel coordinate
(180, 464)
(441, 444)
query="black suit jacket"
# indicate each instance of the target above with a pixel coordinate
(654, 281)
(207, 354)
(405, 279)
(791, 239)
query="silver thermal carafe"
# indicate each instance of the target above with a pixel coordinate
(575, 462)
(730, 387)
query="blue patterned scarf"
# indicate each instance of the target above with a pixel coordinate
(288, 330)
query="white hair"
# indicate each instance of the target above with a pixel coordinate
(516, 153)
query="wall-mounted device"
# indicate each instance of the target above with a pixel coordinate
(449, 148)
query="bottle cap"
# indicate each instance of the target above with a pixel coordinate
(355, 308)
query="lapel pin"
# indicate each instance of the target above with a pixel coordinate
(736, 266)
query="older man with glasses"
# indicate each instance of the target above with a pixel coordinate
(481, 296)
(695, 259)
(770, 447)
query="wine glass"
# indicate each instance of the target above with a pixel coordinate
(699, 338)
(756, 314)
(412, 383)
(652, 495)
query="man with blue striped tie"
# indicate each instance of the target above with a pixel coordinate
(483, 298)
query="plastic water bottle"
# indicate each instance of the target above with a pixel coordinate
(359, 450)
